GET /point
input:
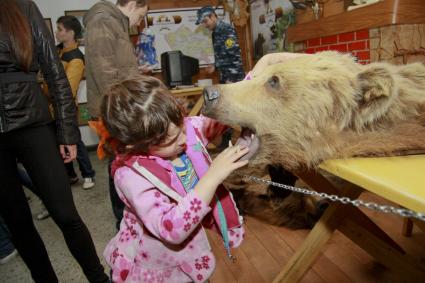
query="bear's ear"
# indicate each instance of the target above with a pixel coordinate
(375, 82)
(376, 93)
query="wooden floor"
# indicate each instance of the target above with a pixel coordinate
(267, 248)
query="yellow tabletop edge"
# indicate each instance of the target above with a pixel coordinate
(347, 170)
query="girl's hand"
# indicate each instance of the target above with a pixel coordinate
(224, 164)
(227, 162)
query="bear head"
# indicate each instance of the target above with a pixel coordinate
(325, 106)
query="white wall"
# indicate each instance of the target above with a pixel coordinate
(55, 8)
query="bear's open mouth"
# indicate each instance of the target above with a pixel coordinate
(250, 140)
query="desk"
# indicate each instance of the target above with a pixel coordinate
(190, 92)
(399, 179)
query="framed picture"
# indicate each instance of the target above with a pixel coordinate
(176, 29)
(79, 14)
(49, 25)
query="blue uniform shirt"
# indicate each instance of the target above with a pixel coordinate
(227, 53)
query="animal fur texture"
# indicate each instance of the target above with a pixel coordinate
(318, 107)
(327, 106)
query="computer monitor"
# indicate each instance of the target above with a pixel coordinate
(178, 69)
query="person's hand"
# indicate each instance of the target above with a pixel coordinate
(210, 69)
(144, 69)
(227, 162)
(273, 58)
(224, 164)
(68, 152)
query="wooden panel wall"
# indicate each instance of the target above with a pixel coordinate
(380, 14)
(244, 34)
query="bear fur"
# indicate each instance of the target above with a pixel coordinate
(326, 106)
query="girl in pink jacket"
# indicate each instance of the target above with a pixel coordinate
(171, 189)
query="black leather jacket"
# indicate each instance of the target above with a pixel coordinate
(22, 103)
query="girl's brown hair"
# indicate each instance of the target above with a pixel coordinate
(138, 112)
(14, 23)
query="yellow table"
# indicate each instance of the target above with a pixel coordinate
(398, 179)
(190, 92)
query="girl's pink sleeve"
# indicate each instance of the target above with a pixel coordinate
(208, 127)
(167, 220)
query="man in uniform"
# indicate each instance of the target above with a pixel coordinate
(227, 52)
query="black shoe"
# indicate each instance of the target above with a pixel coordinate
(73, 180)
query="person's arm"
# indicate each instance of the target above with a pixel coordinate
(101, 53)
(165, 219)
(53, 72)
(170, 221)
(209, 128)
(221, 167)
(231, 48)
(74, 72)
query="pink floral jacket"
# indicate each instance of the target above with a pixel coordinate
(160, 239)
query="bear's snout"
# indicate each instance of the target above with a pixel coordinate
(211, 95)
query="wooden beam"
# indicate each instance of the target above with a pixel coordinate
(305, 256)
(388, 12)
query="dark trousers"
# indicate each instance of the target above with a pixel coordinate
(116, 202)
(37, 149)
(6, 245)
(84, 162)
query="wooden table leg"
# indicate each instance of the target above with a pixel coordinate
(304, 257)
(419, 223)
(197, 107)
(407, 227)
(320, 184)
(350, 221)
(381, 251)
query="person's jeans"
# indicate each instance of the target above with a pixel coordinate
(6, 245)
(84, 163)
(38, 151)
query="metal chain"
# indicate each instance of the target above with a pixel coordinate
(344, 200)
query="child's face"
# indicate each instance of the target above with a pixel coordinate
(63, 35)
(174, 144)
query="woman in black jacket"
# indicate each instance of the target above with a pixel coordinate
(26, 134)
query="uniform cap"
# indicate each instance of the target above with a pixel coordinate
(202, 13)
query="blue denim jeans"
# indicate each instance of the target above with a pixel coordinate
(6, 246)
(84, 163)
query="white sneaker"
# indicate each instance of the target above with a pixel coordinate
(9, 257)
(88, 183)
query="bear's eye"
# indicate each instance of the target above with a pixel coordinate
(274, 82)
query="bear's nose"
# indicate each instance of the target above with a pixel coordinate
(210, 93)
(211, 96)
